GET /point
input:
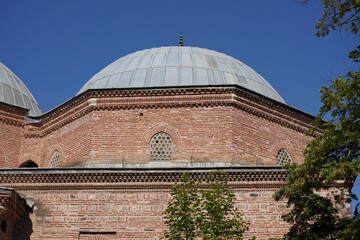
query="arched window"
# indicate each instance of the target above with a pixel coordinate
(161, 147)
(29, 164)
(282, 157)
(55, 160)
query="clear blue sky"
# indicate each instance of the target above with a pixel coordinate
(55, 47)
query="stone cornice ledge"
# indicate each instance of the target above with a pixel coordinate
(118, 178)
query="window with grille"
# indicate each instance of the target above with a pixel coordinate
(282, 157)
(161, 147)
(55, 159)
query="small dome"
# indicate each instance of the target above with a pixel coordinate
(176, 67)
(14, 92)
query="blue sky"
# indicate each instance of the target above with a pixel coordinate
(55, 47)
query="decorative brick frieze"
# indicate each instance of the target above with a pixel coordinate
(171, 98)
(12, 116)
(271, 113)
(49, 126)
(70, 176)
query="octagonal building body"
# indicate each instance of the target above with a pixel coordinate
(102, 163)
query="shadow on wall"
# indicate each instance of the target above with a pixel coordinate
(24, 228)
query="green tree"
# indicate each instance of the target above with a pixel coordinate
(220, 218)
(183, 211)
(205, 211)
(339, 14)
(332, 159)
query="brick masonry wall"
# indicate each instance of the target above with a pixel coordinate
(223, 126)
(12, 121)
(217, 128)
(72, 141)
(258, 140)
(204, 133)
(128, 204)
(10, 144)
(125, 214)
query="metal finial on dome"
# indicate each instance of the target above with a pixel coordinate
(181, 40)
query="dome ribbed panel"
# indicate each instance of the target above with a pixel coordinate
(176, 67)
(14, 92)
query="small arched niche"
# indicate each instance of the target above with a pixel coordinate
(29, 164)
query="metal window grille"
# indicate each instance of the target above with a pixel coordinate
(161, 147)
(55, 159)
(282, 157)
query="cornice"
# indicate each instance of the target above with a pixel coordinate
(12, 116)
(133, 180)
(170, 98)
(128, 175)
(282, 118)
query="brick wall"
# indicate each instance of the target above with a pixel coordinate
(136, 214)
(205, 127)
(128, 204)
(12, 123)
(204, 133)
(10, 145)
(125, 214)
(258, 139)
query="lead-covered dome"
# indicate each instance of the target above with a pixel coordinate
(176, 67)
(14, 92)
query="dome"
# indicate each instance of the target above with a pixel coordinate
(14, 92)
(177, 67)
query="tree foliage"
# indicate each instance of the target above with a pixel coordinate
(205, 211)
(332, 159)
(183, 212)
(339, 14)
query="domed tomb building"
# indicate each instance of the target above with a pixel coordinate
(100, 166)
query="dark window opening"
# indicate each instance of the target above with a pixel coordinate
(3, 226)
(29, 164)
(94, 232)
